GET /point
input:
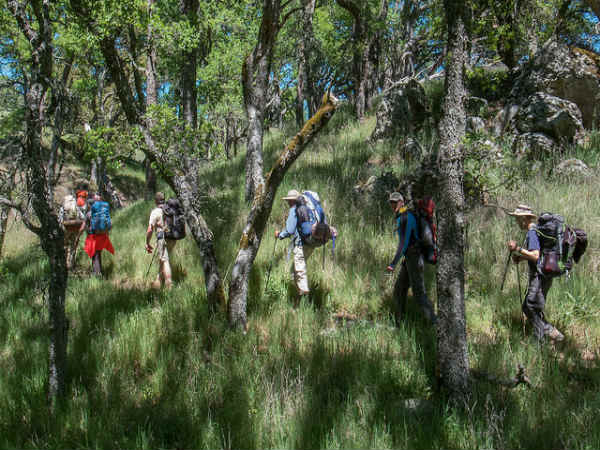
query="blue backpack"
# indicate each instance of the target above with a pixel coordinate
(312, 225)
(100, 218)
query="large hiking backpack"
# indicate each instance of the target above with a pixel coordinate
(560, 244)
(100, 218)
(174, 219)
(424, 215)
(312, 225)
(70, 208)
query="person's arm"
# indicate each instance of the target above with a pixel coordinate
(290, 225)
(404, 238)
(149, 248)
(532, 253)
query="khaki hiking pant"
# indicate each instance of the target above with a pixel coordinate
(164, 248)
(301, 254)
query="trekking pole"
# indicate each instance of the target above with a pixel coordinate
(505, 270)
(270, 266)
(520, 298)
(151, 262)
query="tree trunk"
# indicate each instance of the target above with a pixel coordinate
(304, 50)
(255, 81)
(3, 224)
(189, 8)
(186, 194)
(151, 99)
(451, 329)
(37, 29)
(261, 210)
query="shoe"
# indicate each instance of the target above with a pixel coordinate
(554, 334)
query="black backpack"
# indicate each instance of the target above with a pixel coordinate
(174, 219)
(560, 244)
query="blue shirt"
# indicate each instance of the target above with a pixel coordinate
(408, 234)
(291, 228)
(532, 242)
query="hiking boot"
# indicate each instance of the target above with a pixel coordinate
(554, 334)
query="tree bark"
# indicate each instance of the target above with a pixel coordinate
(37, 28)
(451, 329)
(304, 50)
(3, 224)
(261, 210)
(189, 8)
(365, 57)
(151, 99)
(255, 81)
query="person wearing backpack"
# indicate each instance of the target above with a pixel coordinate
(413, 265)
(301, 252)
(72, 217)
(167, 221)
(98, 224)
(539, 284)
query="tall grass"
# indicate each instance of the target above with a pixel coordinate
(154, 369)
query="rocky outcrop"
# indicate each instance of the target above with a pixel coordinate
(402, 111)
(534, 146)
(557, 118)
(573, 169)
(571, 74)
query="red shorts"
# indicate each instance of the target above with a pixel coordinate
(97, 242)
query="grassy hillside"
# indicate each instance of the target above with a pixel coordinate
(154, 369)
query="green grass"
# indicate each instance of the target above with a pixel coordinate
(156, 370)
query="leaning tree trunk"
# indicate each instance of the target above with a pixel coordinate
(202, 234)
(452, 354)
(261, 210)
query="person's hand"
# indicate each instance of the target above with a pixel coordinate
(276, 234)
(512, 246)
(389, 268)
(149, 248)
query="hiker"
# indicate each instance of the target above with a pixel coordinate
(539, 284)
(413, 265)
(72, 217)
(98, 224)
(300, 251)
(165, 237)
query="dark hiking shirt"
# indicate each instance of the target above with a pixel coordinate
(532, 242)
(407, 234)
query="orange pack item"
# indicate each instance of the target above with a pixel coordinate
(81, 197)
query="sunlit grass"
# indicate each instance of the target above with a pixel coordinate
(154, 369)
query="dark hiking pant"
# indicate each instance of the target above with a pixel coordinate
(412, 275)
(97, 264)
(535, 301)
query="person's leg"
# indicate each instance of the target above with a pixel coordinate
(549, 330)
(533, 305)
(97, 263)
(401, 291)
(300, 275)
(416, 269)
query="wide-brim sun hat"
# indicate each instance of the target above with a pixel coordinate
(523, 211)
(396, 197)
(291, 195)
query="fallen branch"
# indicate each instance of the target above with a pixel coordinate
(520, 378)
